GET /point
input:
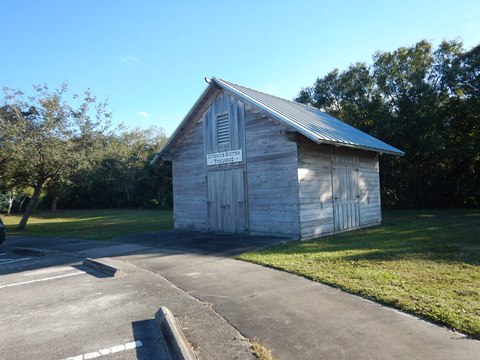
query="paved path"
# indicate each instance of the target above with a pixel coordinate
(295, 317)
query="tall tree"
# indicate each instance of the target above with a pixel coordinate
(124, 168)
(122, 178)
(462, 78)
(425, 102)
(48, 138)
(10, 184)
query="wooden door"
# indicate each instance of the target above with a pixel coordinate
(227, 206)
(346, 199)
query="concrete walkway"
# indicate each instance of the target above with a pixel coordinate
(295, 317)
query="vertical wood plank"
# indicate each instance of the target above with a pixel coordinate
(227, 200)
(234, 134)
(241, 127)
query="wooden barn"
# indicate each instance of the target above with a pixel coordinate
(247, 162)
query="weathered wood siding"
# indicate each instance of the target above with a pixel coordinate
(224, 104)
(339, 189)
(189, 189)
(285, 184)
(369, 189)
(271, 177)
(315, 188)
(226, 201)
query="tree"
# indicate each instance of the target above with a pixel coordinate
(7, 187)
(46, 138)
(124, 170)
(121, 178)
(423, 101)
(462, 78)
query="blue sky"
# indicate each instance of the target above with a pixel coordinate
(149, 58)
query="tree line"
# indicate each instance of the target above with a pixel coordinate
(424, 101)
(61, 152)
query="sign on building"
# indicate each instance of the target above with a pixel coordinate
(224, 157)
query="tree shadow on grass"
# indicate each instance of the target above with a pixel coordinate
(94, 224)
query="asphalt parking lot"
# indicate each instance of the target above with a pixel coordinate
(55, 308)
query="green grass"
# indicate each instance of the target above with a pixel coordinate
(91, 224)
(423, 262)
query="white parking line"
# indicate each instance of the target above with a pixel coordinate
(3, 254)
(44, 279)
(103, 352)
(10, 261)
(48, 271)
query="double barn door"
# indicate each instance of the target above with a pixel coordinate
(226, 200)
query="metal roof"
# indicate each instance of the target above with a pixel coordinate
(309, 121)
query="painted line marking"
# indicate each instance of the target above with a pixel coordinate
(10, 261)
(48, 271)
(112, 350)
(192, 274)
(3, 254)
(44, 279)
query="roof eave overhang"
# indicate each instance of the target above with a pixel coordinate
(355, 146)
(161, 159)
(165, 152)
(156, 160)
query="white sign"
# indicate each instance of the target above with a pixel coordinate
(225, 157)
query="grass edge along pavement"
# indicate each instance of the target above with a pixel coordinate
(90, 224)
(260, 350)
(425, 263)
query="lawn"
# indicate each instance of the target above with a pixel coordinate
(425, 263)
(91, 224)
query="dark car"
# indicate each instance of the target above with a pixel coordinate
(3, 232)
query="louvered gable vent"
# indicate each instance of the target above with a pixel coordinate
(223, 129)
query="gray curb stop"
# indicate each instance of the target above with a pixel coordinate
(103, 266)
(31, 251)
(175, 341)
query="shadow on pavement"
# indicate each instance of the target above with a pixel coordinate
(60, 251)
(146, 332)
(206, 243)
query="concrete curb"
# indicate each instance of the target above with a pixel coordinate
(102, 266)
(175, 341)
(31, 251)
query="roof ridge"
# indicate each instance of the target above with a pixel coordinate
(274, 96)
(300, 106)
